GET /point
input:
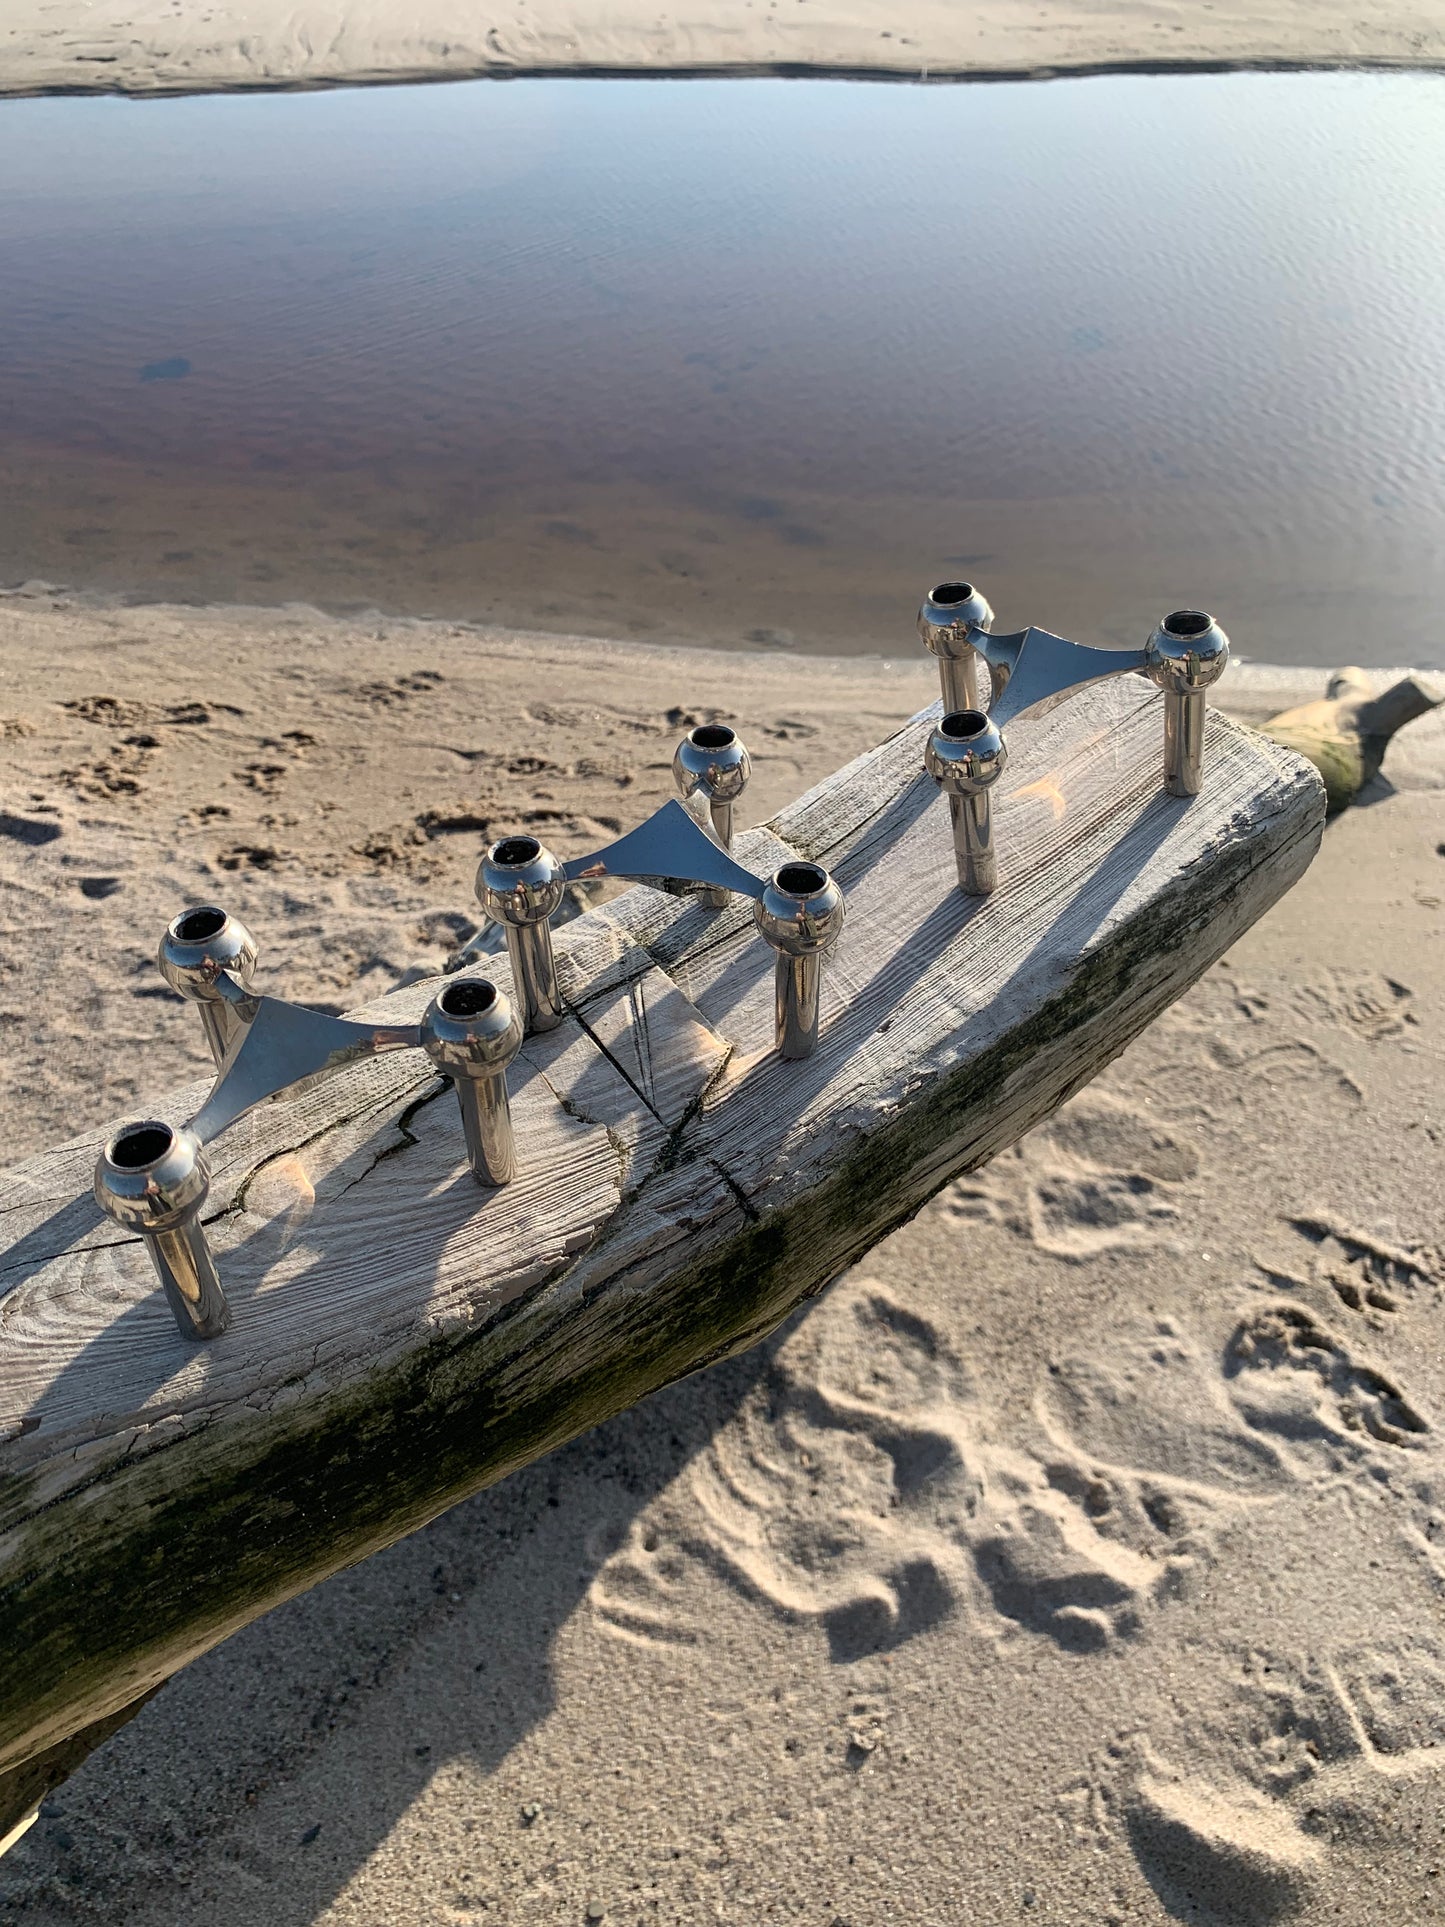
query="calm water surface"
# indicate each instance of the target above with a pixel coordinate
(741, 362)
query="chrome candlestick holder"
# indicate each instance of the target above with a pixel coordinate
(800, 913)
(1184, 655)
(471, 1033)
(1031, 672)
(210, 958)
(152, 1177)
(712, 766)
(520, 883)
(966, 757)
(950, 617)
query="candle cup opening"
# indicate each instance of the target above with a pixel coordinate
(1187, 622)
(473, 997)
(139, 1145)
(963, 725)
(515, 851)
(197, 926)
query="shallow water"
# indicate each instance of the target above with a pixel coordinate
(751, 363)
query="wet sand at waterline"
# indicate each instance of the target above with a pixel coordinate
(1076, 1559)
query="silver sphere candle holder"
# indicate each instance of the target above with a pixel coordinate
(152, 1179)
(521, 883)
(209, 956)
(952, 614)
(712, 766)
(800, 913)
(1186, 653)
(966, 756)
(471, 1033)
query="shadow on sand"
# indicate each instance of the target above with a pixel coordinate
(202, 1800)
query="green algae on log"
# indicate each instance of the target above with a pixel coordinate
(403, 1338)
(1346, 733)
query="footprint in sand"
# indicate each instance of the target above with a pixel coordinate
(1373, 1006)
(122, 772)
(862, 1484)
(398, 689)
(804, 1500)
(1396, 1694)
(264, 778)
(1098, 1178)
(120, 712)
(1366, 1274)
(1189, 1434)
(1234, 1858)
(249, 856)
(1214, 1080)
(857, 1487)
(1149, 1401)
(1291, 1376)
(1295, 1716)
(1288, 1750)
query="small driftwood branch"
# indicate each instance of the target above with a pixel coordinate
(1346, 733)
(403, 1338)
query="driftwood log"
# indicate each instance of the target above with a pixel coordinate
(1346, 733)
(403, 1338)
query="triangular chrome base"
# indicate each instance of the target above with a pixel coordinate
(285, 1050)
(1033, 671)
(672, 852)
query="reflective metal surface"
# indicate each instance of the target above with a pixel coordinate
(966, 756)
(951, 615)
(1032, 671)
(471, 1033)
(671, 851)
(712, 765)
(1186, 653)
(153, 1180)
(210, 958)
(800, 912)
(520, 883)
(285, 1050)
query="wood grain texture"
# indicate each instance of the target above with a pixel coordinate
(402, 1338)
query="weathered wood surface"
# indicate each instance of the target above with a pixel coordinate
(402, 1338)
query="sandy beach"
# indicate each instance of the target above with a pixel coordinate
(1078, 1559)
(152, 46)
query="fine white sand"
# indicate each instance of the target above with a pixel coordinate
(1079, 1559)
(151, 46)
